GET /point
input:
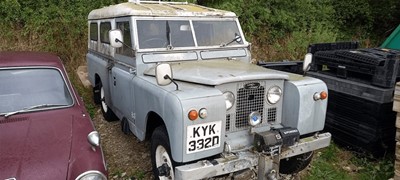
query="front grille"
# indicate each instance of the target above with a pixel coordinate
(271, 116)
(228, 122)
(248, 100)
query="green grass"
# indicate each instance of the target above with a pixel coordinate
(334, 163)
(372, 169)
(139, 174)
(85, 93)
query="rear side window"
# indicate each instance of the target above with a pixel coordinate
(93, 31)
(104, 28)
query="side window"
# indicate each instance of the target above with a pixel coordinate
(104, 28)
(93, 31)
(126, 35)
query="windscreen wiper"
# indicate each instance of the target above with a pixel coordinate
(236, 39)
(32, 107)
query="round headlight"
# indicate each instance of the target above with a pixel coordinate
(229, 99)
(92, 175)
(274, 94)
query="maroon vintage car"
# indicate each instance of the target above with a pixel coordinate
(45, 130)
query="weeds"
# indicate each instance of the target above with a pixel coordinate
(336, 163)
(374, 169)
(136, 175)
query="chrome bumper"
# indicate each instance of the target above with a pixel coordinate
(246, 159)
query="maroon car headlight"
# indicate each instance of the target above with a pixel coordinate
(92, 175)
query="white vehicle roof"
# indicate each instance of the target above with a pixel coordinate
(157, 9)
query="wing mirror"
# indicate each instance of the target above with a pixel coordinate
(164, 75)
(94, 139)
(115, 36)
(307, 62)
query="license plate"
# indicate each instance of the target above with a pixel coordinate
(202, 137)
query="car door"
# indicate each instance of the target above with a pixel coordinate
(123, 72)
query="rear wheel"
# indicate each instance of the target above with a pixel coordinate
(295, 164)
(161, 159)
(108, 114)
(96, 93)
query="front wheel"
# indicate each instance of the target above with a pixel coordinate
(108, 114)
(295, 164)
(161, 159)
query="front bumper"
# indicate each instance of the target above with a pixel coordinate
(246, 159)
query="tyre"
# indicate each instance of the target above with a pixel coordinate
(161, 159)
(295, 164)
(108, 114)
(125, 126)
(96, 93)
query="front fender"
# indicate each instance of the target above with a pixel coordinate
(300, 110)
(173, 105)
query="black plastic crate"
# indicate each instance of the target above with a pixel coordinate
(380, 144)
(357, 106)
(359, 115)
(355, 89)
(286, 66)
(312, 48)
(374, 66)
(354, 126)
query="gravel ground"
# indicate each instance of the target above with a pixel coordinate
(126, 156)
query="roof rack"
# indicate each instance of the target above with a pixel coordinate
(156, 2)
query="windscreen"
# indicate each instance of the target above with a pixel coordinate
(164, 33)
(171, 33)
(23, 88)
(216, 33)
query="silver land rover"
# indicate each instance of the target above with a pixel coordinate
(179, 74)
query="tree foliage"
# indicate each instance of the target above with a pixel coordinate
(283, 27)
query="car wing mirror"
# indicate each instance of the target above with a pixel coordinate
(94, 139)
(163, 74)
(307, 62)
(115, 36)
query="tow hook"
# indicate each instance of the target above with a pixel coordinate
(164, 170)
(272, 175)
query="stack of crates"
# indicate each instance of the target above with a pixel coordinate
(396, 107)
(361, 85)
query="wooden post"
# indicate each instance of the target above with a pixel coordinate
(396, 107)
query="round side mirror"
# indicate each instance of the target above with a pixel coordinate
(94, 138)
